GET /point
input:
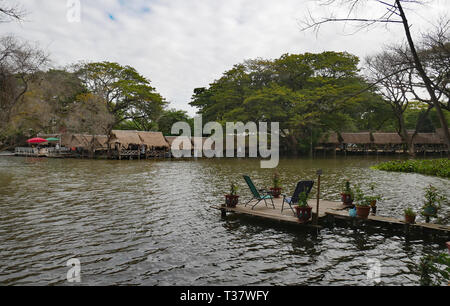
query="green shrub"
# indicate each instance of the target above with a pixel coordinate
(436, 167)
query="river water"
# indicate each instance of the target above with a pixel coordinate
(150, 223)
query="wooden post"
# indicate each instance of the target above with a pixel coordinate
(319, 173)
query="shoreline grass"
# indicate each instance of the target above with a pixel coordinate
(436, 167)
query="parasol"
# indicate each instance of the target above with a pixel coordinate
(36, 140)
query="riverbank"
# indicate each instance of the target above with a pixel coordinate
(437, 167)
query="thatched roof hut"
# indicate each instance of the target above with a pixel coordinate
(125, 138)
(153, 139)
(89, 142)
(386, 138)
(184, 142)
(428, 138)
(331, 138)
(356, 138)
(440, 133)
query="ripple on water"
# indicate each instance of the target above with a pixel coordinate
(149, 223)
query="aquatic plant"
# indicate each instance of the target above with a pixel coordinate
(437, 167)
(434, 270)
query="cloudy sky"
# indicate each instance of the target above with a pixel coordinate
(183, 44)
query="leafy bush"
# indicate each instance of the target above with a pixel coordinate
(436, 167)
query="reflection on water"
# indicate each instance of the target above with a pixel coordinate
(149, 222)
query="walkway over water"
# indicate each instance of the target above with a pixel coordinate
(328, 212)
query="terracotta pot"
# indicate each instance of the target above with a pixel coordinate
(430, 211)
(303, 213)
(362, 211)
(231, 200)
(410, 219)
(276, 192)
(346, 198)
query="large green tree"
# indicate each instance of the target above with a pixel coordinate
(306, 93)
(171, 116)
(128, 95)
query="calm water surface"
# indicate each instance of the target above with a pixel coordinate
(149, 223)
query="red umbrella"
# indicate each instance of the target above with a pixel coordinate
(36, 140)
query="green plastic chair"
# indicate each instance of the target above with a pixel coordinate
(257, 193)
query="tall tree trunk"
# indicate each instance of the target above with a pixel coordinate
(293, 145)
(423, 75)
(405, 137)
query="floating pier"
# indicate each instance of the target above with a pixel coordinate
(329, 214)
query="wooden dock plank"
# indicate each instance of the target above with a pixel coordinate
(326, 208)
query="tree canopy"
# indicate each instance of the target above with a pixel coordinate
(306, 93)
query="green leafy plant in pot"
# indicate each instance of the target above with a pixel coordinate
(231, 199)
(362, 204)
(276, 189)
(410, 215)
(373, 199)
(432, 202)
(347, 194)
(303, 209)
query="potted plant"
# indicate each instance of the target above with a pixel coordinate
(432, 203)
(362, 205)
(303, 209)
(276, 189)
(231, 199)
(410, 215)
(347, 194)
(373, 199)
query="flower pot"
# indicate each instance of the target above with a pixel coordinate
(231, 200)
(410, 219)
(303, 213)
(430, 211)
(346, 199)
(448, 246)
(276, 192)
(362, 211)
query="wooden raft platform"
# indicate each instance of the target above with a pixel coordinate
(329, 212)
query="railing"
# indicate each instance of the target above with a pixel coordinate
(26, 151)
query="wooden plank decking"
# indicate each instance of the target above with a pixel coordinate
(327, 209)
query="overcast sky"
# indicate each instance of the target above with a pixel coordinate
(183, 44)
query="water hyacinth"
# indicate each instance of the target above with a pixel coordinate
(437, 167)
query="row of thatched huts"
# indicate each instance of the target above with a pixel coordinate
(382, 142)
(128, 144)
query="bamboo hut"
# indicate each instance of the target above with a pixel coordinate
(381, 142)
(125, 144)
(153, 144)
(183, 146)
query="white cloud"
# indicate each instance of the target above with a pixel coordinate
(184, 44)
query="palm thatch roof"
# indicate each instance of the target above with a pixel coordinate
(387, 138)
(440, 133)
(183, 141)
(428, 138)
(153, 139)
(356, 138)
(125, 138)
(95, 142)
(331, 138)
